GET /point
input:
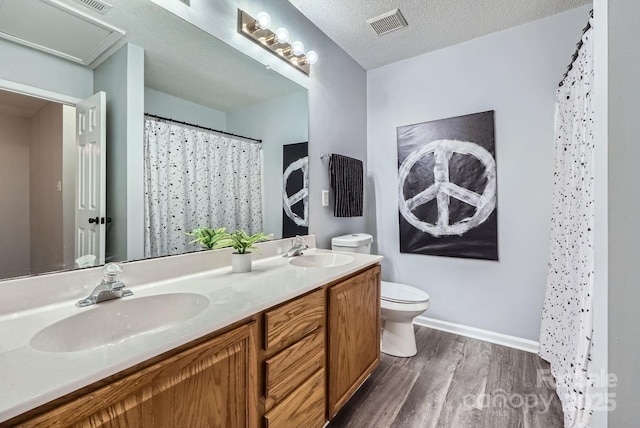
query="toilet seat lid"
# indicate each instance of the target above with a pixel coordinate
(402, 293)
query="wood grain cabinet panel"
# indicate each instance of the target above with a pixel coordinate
(218, 382)
(209, 385)
(292, 321)
(303, 408)
(353, 336)
(286, 370)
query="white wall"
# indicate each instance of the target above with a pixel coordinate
(121, 76)
(165, 105)
(265, 121)
(337, 92)
(14, 196)
(599, 351)
(34, 68)
(135, 152)
(514, 72)
(69, 183)
(624, 208)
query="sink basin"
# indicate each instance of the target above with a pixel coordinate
(116, 321)
(322, 260)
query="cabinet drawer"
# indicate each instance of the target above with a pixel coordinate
(286, 370)
(303, 408)
(294, 320)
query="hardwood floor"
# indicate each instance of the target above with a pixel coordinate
(456, 382)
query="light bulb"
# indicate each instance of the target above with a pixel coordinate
(282, 35)
(263, 21)
(297, 48)
(312, 57)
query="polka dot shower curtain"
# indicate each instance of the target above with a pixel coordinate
(196, 178)
(567, 321)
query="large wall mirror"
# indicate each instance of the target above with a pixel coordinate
(194, 133)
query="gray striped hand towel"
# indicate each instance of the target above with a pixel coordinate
(347, 182)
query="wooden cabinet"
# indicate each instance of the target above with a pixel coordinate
(293, 365)
(294, 376)
(305, 407)
(353, 336)
(288, 369)
(294, 320)
(209, 385)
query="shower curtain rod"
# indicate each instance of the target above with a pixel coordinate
(203, 127)
(578, 46)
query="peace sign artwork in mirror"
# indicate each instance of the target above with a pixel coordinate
(447, 187)
(295, 189)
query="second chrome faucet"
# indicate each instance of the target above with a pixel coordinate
(298, 247)
(110, 288)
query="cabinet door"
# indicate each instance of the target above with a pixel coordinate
(353, 335)
(210, 385)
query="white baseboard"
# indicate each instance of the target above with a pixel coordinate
(478, 333)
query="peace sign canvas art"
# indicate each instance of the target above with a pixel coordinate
(295, 189)
(447, 187)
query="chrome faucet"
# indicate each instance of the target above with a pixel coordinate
(110, 288)
(298, 247)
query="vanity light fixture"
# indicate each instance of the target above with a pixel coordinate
(257, 29)
(281, 35)
(297, 48)
(263, 21)
(312, 57)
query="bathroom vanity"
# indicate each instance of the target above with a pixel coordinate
(283, 346)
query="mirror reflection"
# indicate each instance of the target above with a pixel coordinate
(182, 131)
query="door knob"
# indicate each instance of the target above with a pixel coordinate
(94, 220)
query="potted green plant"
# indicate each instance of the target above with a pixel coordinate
(242, 243)
(212, 239)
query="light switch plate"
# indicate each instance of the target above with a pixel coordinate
(325, 198)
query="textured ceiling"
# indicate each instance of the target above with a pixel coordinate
(186, 62)
(18, 105)
(433, 24)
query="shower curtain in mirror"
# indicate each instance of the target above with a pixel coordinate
(567, 319)
(195, 178)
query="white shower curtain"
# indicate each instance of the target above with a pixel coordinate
(196, 178)
(567, 319)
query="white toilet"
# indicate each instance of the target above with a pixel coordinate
(399, 303)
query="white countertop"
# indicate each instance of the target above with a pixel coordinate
(30, 378)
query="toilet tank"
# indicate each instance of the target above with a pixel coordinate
(353, 243)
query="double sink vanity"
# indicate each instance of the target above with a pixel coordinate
(285, 345)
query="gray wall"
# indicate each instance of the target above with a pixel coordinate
(14, 194)
(45, 200)
(516, 73)
(165, 105)
(265, 121)
(337, 92)
(34, 68)
(122, 78)
(623, 207)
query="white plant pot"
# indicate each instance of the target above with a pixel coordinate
(240, 263)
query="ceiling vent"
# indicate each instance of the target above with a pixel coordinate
(388, 22)
(56, 28)
(96, 5)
